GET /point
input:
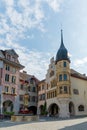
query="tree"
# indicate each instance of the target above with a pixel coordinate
(44, 110)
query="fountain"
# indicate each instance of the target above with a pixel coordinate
(24, 112)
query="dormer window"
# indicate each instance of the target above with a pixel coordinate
(13, 58)
(8, 57)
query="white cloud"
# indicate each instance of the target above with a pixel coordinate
(22, 15)
(80, 62)
(35, 62)
(9, 2)
(18, 17)
(54, 4)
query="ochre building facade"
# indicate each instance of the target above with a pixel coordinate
(66, 89)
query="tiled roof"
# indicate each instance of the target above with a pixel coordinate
(78, 75)
(11, 52)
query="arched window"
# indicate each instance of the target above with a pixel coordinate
(81, 108)
(60, 77)
(65, 77)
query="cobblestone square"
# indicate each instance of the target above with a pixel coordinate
(69, 124)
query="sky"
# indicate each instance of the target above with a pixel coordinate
(33, 29)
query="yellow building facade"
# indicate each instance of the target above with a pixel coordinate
(66, 89)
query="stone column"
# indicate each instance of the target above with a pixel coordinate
(64, 108)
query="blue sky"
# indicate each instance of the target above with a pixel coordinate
(32, 28)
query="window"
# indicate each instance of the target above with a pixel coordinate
(13, 59)
(43, 96)
(81, 108)
(6, 89)
(65, 89)
(47, 95)
(64, 64)
(8, 57)
(21, 86)
(21, 97)
(29, 99)
(7, 77)
(42, 87)
(65, 77)
(29, 88)
(47, 86)
(7, 67)
(55, 94)
(75, 91)
(60, 77)
(33, 89)
(13, 79)
(33, 98)
(39, 88)
(13, 91)
(31, 81)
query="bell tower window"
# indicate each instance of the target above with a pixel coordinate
(64, 64)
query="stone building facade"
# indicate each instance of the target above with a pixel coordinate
(66, 89)
(28, 88)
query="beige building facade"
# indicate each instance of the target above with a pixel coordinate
(66, 89)
(41, 96)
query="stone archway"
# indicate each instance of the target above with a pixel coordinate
(71, 109)
(32, 110)
(53, 110)
(8, 106)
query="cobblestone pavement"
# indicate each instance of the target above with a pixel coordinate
(44, 124)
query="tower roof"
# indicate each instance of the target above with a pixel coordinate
(62, 53)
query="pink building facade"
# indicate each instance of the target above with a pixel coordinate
(9, 81)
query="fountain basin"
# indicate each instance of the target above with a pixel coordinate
(24, 117)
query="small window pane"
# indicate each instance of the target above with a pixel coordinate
(81, 108)
(75, 91)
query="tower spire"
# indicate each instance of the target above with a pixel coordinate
(62, 53)
(61, 37)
